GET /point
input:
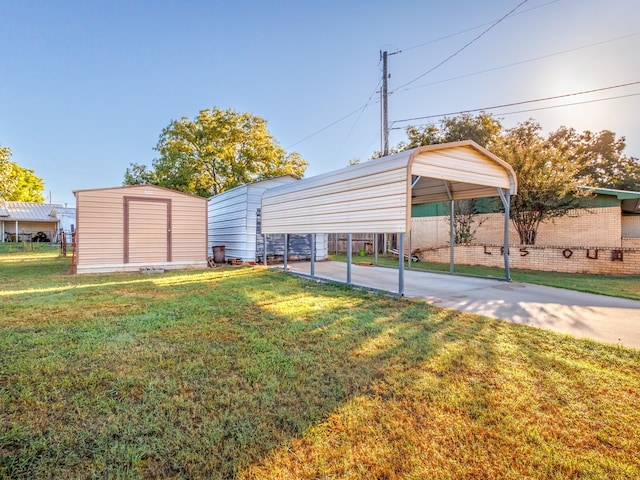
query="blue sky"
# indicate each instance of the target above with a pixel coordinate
(86, 87)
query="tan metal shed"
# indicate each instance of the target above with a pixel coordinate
(376, 196)
(139, 227)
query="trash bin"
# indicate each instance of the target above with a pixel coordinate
(218, 254)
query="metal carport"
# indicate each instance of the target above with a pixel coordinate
(376, 196)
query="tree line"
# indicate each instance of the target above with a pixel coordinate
(552, 170)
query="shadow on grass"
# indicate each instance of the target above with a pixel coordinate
(220, 374)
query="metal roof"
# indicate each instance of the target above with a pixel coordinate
(62, 211)
(28, 211)
(620, 194)
(376, 196)
(629, 201)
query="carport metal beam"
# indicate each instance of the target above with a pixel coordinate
(349, 242)
(505, 202)
(401, 264)
(452, 226)
(313, 255)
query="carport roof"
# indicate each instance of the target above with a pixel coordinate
(376, 196)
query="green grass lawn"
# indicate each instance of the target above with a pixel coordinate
(626, 286)
(250, 373)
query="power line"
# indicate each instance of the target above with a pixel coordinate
(572, 104)
(464, 46)
(518, 103)
(542, 108)
(362, 109)
(546, 108)
(523, 61)
(470, 29)
(327, 127)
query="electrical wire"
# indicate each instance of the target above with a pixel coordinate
(464, 46)
(527, 110)
(584, 92)
(362, 109)
(344, 117)
(572, 104)
(541, 108)
(470, 29)
(521, 62)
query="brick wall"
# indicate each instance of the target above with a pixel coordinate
(631, 226)
(584, 228)
(546, 258)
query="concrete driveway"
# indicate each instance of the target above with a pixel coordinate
(598, 317)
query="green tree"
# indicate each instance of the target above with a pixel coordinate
(7, 181)
(483, 129)
(548, 185)
(18, 184)
(601, 158)
(216, 151)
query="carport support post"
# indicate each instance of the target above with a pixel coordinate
(349, 239)
(409, 257)
(505, 202)
(313, 255)
(286, 250)
(375, 248)
(452, 235)
(265, 249)
(401, 265)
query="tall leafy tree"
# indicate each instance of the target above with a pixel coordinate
(483, 128)
(7, 181)
(601, 158)
(216, 151)
(18, 184)
(548, 185)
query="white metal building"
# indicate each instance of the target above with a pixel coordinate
(66, 221)
(234, 223)
(376, 196)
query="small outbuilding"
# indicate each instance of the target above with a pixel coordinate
(376, 196)
(139, 227)
(234, 226)
(29, 221)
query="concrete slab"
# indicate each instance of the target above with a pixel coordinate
(598, 317)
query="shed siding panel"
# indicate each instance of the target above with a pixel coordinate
(226, 220)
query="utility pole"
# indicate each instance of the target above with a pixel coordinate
(385, 111)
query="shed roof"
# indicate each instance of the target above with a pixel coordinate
(376, 196)
(264, 183)
(142, 187)
(28, 211)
